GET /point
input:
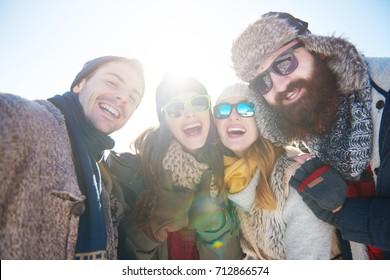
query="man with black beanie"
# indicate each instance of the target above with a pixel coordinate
(53, 203)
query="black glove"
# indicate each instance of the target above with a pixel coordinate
(324, 215)
(321, 183)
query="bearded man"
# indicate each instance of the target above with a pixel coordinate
(320, 91)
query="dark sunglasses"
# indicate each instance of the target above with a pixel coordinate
(244, 109)
(176, 109)
(283, 65)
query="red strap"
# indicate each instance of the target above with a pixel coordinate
(313, 176)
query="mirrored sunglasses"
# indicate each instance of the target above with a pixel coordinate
(283, 65)
(176, 109)
(244, 109)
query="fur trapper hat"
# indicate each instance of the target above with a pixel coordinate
(237, 89)
(274, 30)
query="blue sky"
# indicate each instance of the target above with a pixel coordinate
(44, 43)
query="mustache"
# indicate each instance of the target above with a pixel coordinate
(300, 83)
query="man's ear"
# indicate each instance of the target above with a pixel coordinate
(77, 88)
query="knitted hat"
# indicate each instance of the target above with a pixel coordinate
(170, 86)
(92, 65)
(274, 30)
(237, 89)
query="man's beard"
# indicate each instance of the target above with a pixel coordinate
(314, 113)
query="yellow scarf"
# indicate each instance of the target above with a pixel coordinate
(236, 173)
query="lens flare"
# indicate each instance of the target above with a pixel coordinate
(217, 244)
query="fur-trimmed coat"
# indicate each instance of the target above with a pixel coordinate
(292, 231)
(40, 200)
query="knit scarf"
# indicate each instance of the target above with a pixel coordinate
(238, 173)
(186, 170)
(348, 147)
(187, 173)
(88, 145)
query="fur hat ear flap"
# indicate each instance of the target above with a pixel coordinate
(342, 58)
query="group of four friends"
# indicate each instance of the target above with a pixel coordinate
(290, 163)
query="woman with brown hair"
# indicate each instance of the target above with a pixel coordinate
(182, 212)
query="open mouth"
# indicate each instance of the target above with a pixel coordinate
(109, 110)
(293, 95)
(235, 131)
(193, 129)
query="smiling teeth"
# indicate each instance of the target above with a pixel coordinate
(111, 110)
(291, 94)
(193, 125)
(236, 129)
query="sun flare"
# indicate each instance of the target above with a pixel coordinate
(166, 49)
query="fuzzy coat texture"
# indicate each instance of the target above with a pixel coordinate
(291, 231)
(40, 200)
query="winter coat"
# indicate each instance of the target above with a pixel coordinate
(40, 199)
(368, 220)
(125, 169)
(291, 231)
(207, 251)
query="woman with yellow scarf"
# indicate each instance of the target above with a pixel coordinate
(275, 222)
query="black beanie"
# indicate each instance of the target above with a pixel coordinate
(94, 64)
(170, 86)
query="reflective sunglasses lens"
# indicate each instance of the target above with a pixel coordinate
(222, 111)
(285, 64)
(245, 109)
(174, 110)
(200, 103)
(261, 84)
